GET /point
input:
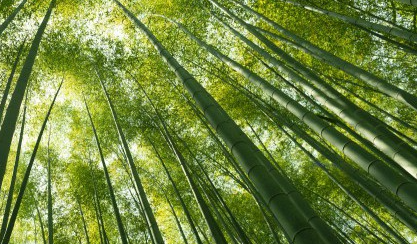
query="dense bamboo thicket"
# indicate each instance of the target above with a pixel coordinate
(208, 121)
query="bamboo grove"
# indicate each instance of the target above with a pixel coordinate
(208, 121)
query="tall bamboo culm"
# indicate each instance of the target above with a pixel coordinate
(252, 161)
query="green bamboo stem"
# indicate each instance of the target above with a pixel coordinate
(178, 194)
(40, 222)
(372, 129)
(11, 17)
(13, 217)
(369, 78)
(214, 228)
(97, 208)
(184, 238)
(395, 207)
(14, 175)
(10, 119)
(248, 155)
(383, 173)
(49, 190)
(120, 226)
(87, 238)
(150, 218)
(9, 82)
(356, 21)
(241, 233)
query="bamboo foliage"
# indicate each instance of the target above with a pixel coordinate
(218, 121)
